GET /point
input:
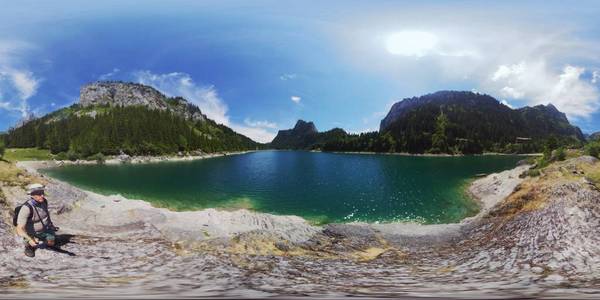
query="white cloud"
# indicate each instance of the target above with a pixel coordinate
(25, 83)
(535, 83)
(296, 99)
(260, 124)
(206, 98)
(511, 92)
(17, 84)
(418, 44)
(508, 71)
(110, 74)
(286, 76)
(256, 133)
(506, 103)
(362, 130)
(595, 76)
(181, 84)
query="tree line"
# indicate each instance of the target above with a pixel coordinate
(134, 130)
(429, 129)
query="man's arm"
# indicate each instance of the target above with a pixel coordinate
(22, 232)
(22, 219)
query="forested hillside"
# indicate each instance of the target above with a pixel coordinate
(449, 122)
(134, 129)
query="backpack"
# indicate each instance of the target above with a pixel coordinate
(18, 209)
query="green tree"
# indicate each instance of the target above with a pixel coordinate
(2, 149)
(183, 143)
(593, 148)
(439, 140)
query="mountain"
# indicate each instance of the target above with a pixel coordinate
(594, 136)
(476, 119)
(303, 135)
(116, 116)
(447, 122)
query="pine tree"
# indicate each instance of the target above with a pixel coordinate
(439, 140)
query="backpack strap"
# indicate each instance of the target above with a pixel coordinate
(45, 207)
(30, 210)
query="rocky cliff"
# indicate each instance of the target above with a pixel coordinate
(303, 134)
(116, 93)
(121, 94)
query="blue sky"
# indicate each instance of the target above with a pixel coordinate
(258, 66)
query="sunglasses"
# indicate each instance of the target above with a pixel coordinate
(37, 193)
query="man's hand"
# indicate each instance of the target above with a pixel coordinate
(33, 242)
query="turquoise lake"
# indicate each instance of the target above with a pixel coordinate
(321, 187)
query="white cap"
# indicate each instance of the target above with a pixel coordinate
(34, 187)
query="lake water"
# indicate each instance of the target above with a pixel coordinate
(321, 187)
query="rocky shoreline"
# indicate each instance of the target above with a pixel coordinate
(126, 159)
(534, 237)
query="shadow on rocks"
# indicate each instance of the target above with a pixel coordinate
(61, 240)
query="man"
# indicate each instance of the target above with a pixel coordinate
(33, 221)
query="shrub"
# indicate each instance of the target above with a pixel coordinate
(72, 155)
(593, 149)
(530, 173)
(559, 154)
(61, 156)
(2, 149)
(98, 157)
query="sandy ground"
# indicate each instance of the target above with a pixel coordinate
(531, 239)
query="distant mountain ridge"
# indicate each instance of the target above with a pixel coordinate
(448, 122)
(304, 135)
(116, 116)
(478, 116)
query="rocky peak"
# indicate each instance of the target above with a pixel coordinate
(115, 93)
(186, 109)
(303, 134)
(548, 110)
(305, 127)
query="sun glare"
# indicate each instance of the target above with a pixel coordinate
(411, 43)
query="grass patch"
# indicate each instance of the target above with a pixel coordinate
(9, 172)
(13, 176)
(592, 174)
(19, 154)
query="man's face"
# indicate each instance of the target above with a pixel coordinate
(38, 196)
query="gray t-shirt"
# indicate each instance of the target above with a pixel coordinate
(39, 215)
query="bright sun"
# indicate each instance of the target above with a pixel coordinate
(411, 43)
